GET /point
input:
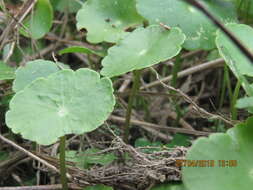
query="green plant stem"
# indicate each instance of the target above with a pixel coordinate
(223, 90)
(63, 163)
(134, 91)
(176, 68)
(233, 102)
(226, 73)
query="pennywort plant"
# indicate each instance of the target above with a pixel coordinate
(200, 34)
(52, 101)
(145, 47)
(51, 104)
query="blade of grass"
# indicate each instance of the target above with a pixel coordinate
(134, 91)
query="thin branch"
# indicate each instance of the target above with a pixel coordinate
(29, 153)
(41, 187)
(16, 20)
(186, 72)
(201, 111)
(146, 125)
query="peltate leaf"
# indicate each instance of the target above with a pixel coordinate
(107, 20)
(231, 154)
(142, 48)
(65, 102)
(31, 71)
(40, 22)
(199, 30)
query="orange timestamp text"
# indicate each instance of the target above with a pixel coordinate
(206, 163)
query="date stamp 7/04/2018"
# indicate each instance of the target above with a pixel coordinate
(206, 163)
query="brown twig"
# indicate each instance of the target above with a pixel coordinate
(186, 72)
(146, 125)
(16, 20)
(201, 111)
(138, 172)
(42, 187)
(44, 51)
(29, 153)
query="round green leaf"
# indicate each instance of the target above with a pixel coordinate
(107, 20)
(236, 61)
(234, 149)
(142, 48)
(71, 6)
(31, 71)
(6, 72)
(199, 30)
(65, 102)
(40, 22)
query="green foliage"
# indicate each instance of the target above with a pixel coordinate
(79, 49)
(142, 48)
(98, 187)
(245, 102)
(107, 20)
(52, 100)
(199, 30)
(237, 62)
(179, 140)
(6, 72)
(232, 155)
(90, 157)
(153, 146)
(51, 107)
(5, 100)
(168, 187)
(32, 71)
(40, 22)
(3, 156)
(245, 9)
(71, 6)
